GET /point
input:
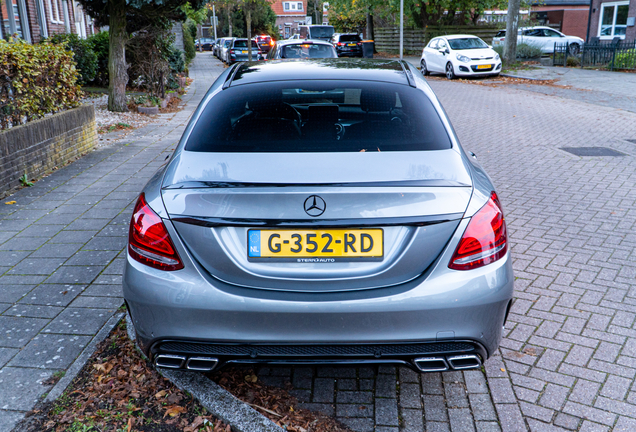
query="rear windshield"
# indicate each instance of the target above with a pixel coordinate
(501, 33)
(350, 38)
(303, 51)
(467, 43)
(321, 32)
(318, 116)
(243, 44)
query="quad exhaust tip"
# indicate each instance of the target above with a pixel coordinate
(431, 364)
(468, 361)
(171, 361)
(201, 364)
(442, 364)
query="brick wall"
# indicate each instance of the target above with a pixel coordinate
(575, 22)
(37, 147)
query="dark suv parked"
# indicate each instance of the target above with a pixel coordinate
(347, 45)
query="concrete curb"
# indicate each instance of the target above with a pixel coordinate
(240, 416)
(81, 360)
(525, 78)
(218, 401)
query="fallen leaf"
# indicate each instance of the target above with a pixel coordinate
(174, 411)
(10, 202)
(251, 378)
(503, 370)
(160, 394)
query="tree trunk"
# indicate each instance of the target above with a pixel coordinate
(117, 67)
(512, 26)
(229, 20)
(370, 30)
(248, 22)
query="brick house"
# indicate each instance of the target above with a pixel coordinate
(289, 15)
(33, 20)
(610, 19)
(570, 15)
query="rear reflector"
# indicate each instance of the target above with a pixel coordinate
(485, 239)
(149, 241)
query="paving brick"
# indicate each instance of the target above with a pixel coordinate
(410, 396)
(616, 387)
(567, 421)
(412, 420)
(554, 396)
(510, 418)
(386, 412)
(323, 390)
(482, 407)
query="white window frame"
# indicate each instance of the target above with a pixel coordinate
(54, 11)
(299, 6)
(22, 16)
(286, 6)
(600, 19)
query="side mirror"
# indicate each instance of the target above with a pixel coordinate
(490, 46)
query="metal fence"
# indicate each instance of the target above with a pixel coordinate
(615, 54)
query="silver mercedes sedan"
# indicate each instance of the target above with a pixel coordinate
(314, 212)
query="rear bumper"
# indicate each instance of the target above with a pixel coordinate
(190, 308)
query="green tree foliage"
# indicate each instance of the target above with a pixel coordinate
(188, 44)
(100, 42)
(122, 16)
(350, 13)
(35, 80)
(263, 19)
(83, 54)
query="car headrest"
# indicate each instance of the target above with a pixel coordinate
(376, 101)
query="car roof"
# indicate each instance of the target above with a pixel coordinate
(302, 42)
(459, 36)
(390, 71)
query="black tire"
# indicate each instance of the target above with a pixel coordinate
(423, 68)
(450, 72)
(575, 48)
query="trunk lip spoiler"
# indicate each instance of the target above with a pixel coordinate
(210, 222)
(231, 185)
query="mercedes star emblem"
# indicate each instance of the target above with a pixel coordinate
(315, 206)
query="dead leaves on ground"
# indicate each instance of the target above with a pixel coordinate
(118, 390)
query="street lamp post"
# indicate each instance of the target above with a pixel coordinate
(214, 21)
(401, 28)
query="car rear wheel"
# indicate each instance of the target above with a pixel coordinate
(450, 72)
(423, 68)
(575, 48)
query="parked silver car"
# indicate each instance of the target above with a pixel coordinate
(319, 211)
(296, 49)
(225, 48)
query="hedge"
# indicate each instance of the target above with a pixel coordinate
(35, 80)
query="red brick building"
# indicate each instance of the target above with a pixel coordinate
(570, 15)
(289, 15)
(612, 19)
(33, 20)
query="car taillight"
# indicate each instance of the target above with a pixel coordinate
(232, 52)
(340, 44)
(271, 43)
(149, 241)
(485, 239)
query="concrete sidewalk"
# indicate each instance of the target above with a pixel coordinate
(62, 253)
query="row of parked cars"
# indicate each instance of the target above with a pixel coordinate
(467, 55)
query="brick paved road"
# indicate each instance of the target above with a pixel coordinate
(570, 347)
(569, 358)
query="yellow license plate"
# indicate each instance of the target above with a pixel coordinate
(243, 52)
(484, 66)
(351, 44)
(316, 245)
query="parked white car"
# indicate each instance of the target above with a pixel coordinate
(542, 37)
(459, 55)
